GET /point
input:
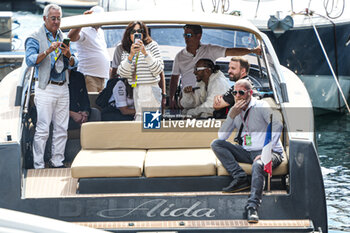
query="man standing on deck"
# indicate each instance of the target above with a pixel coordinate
(186, 59)
(51, 58)
(251, 117)
(92, 52)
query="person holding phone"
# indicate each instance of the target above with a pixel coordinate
(51, 58)
(92, 52)
(142, 65)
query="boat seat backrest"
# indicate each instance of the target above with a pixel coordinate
(131, 135)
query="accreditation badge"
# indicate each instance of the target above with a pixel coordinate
(247, 140)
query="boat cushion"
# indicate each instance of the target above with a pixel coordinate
(108, 163)
(282, 169)
(180, 162)
(107, 135)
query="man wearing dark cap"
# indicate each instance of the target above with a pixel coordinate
(186, 59)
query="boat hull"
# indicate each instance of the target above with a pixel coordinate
(299, 50)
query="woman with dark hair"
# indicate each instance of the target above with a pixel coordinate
(141, 64)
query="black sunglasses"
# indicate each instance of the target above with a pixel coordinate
(240, 92)
(133, 31)
(188, 35)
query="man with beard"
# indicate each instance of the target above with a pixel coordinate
(198, 102)
(238, 69)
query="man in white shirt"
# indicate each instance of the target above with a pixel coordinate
(186, 59)
(251, 117)
(211, 82)
(92, 52)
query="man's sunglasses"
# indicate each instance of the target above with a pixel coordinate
(188, 35)
(196, 69)
(133, 31)
(240, 92)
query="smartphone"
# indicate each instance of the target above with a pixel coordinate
(137, 37)
(66, 41)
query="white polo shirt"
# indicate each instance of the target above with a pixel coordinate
(92, 53)
(185, 62)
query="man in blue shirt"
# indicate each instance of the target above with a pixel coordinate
(51, 58)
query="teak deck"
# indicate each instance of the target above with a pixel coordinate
(58, 183)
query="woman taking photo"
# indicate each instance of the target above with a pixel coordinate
(141, 64)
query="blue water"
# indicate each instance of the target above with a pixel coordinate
(332, 135)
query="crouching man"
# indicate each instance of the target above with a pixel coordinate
(210, 82)
(251, 117)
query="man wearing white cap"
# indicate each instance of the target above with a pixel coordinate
(92, 52)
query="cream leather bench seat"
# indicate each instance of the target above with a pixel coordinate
(180, 162)
(108, 163)
(108, 150)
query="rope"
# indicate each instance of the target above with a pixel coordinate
(329, 63)
(257, 7)
(333, 7)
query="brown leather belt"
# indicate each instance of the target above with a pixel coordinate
(57, 83)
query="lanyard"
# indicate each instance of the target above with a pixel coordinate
(246, 119)
(134, 76)
(56, 50)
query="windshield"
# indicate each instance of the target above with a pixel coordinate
(173, 36)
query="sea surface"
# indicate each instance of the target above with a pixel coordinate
(332, 135)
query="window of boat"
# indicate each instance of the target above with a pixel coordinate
(173, 36)
(275, 76)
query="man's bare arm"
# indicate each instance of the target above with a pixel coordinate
(242, 51)
(74, 34)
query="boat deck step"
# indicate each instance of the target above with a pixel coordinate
(300, 225)
(58, 183)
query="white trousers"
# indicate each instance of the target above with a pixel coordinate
(147, 97)
(52, 105)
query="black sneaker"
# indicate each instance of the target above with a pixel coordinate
(237, 185)
(252, 215)
(52, 166)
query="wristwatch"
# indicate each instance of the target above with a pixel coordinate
(164, 95)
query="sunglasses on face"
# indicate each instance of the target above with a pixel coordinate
(240, 92)
(200, 68)
(136, 31)
(188, 35)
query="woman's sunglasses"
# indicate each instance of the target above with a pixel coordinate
(133, 31)
(240, 92)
